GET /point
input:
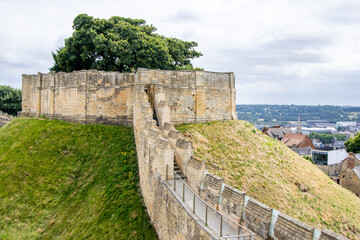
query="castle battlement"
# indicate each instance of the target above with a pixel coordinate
(92, 96)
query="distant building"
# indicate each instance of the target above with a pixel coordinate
(346, 125)
(350, 162)
(303, 151)
(330, 162)
(314, 122)
(276, 132)
(350, 174)
(322, 157)
(297, 141)
(329, 130)
(339, 144)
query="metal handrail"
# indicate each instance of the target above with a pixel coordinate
(216, 211)
(237, 236)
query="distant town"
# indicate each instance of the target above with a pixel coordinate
(317, 133)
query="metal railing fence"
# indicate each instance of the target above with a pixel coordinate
(209, 216)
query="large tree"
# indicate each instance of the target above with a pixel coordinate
(121, 44)
(10, 100)
(353, 144)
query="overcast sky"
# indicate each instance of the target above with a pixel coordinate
(282, 52)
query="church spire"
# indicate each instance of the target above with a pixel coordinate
(298, 129)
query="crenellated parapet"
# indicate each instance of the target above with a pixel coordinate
(92, 96)
(152, 101)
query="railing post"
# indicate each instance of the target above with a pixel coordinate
(174, 182)
(183, 192)
(167, 172)
(221, 222)
(194, 204)
(206, 215)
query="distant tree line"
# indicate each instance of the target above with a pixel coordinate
(10, 100)
(327, 138)
(286, 113)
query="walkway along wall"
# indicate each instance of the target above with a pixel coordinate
(158, 144)
(152, 101)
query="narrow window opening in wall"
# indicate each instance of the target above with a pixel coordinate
(338, 181)
(357, 194)
(150, 92)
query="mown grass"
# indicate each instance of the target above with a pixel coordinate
(270, 172)
(68, 181)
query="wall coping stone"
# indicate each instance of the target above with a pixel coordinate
(154, 133)
(297, 222)
(331, 234)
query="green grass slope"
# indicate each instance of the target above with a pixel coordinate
(270, 172)
(68, 181)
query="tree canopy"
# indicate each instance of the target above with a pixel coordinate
(327, 138)
(10, 100)
(121, 44)
(353, 144)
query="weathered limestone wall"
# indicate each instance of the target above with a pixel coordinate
(155, 156)
(174, 97)
(257, 217)
(107, 97)
(210, 189)
(194, 96)
(331, 170)
(328, 235)
(289, 228)
(351, 181)
(83, 96)
(4, 118)
(232, 203)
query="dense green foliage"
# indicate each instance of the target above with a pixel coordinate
(285, 113)
(353, 144)
(327, 138)
(10, 100)
(68, 181)
(121, 44)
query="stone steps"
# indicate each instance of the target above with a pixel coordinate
(178, 171)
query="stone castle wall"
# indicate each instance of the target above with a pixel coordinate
(4, 118)
(152, 101)
(158, 145)
(84, 96)
(108, 97)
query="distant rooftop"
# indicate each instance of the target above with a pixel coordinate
(357, 171)
(297, 141)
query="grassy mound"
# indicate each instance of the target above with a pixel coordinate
(270, 172)
(68, 181)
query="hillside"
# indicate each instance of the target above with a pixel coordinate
(68, 181)
(286, 113)
(270, 172)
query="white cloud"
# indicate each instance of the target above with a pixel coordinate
(302, 52)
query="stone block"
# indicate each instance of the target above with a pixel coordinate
(329, 235)
(257, 217)
(289, 228)
(183, 144)
(175, 134)
(210, 189)
(168, 126)
(232, 202)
